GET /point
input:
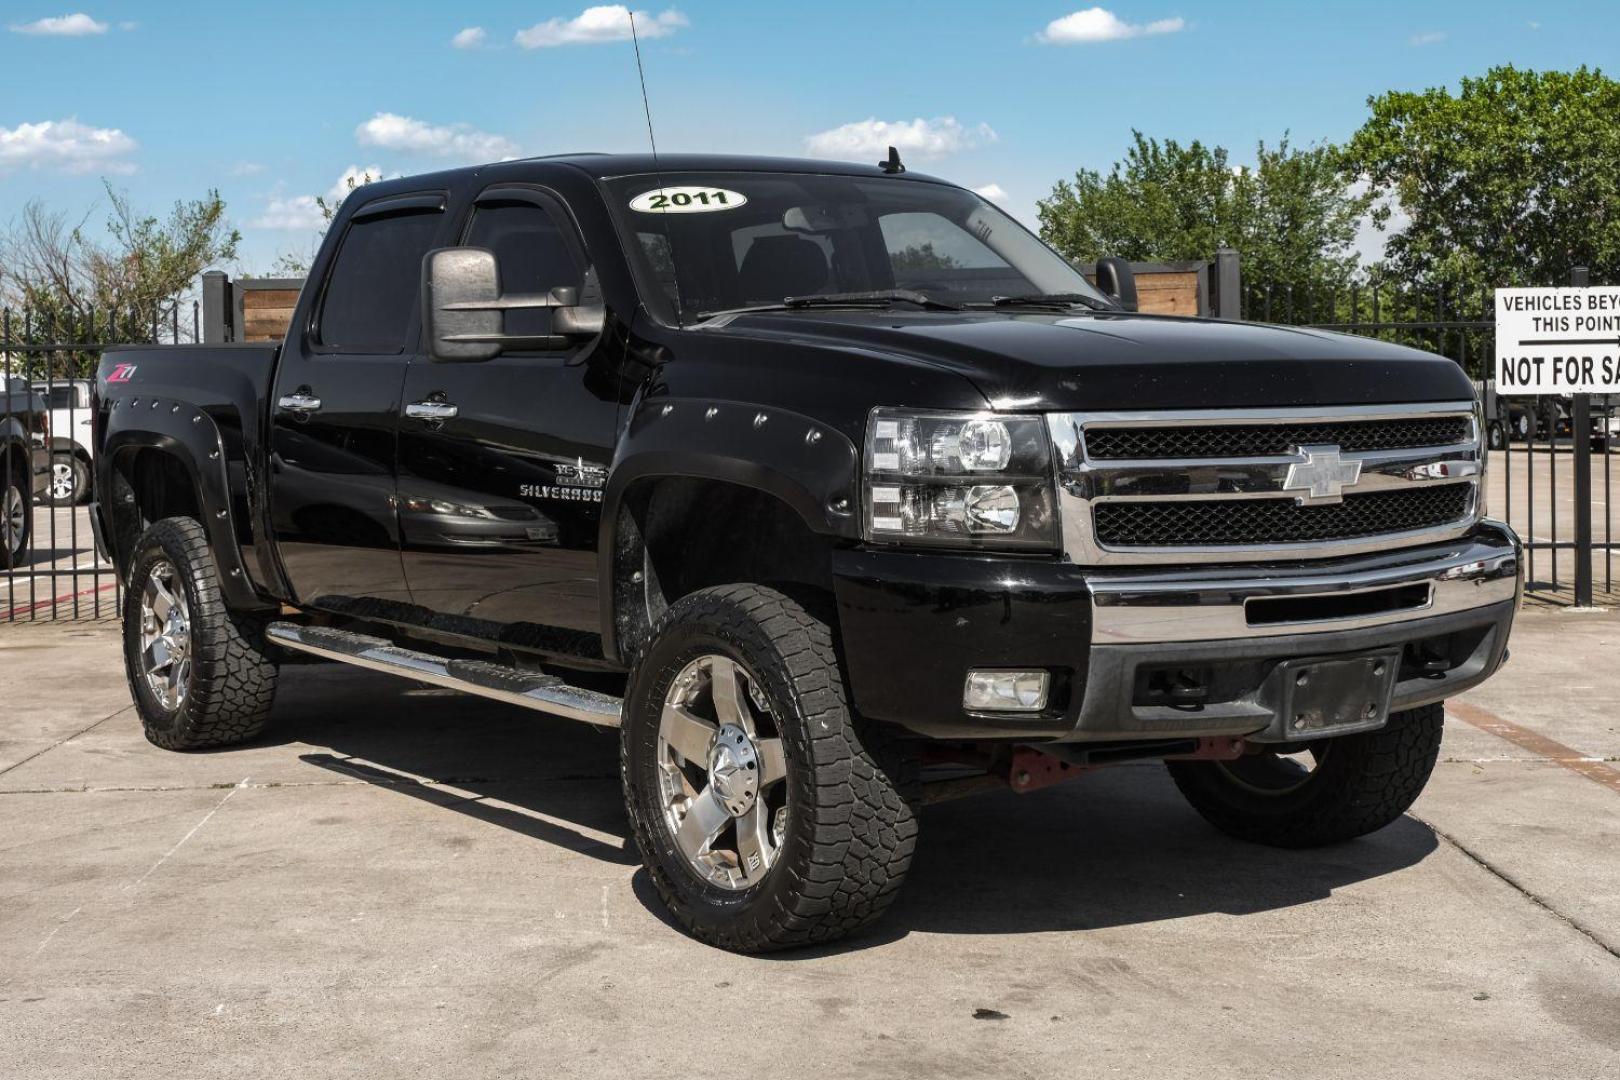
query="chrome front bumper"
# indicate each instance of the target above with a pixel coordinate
(1445, 610)
(1204, 604)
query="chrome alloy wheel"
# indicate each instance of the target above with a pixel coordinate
(721, 767)
(13, 519)
(62, 481)
(165, 636)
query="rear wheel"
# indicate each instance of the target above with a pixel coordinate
(1330, 790)
(766, 814)
(201, 675)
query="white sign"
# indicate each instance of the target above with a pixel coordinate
(1558, 341)
(687, 200)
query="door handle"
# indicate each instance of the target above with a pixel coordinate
(302, 401)
(434, 412)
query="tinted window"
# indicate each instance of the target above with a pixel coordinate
(777, 235)
(372, 289)
(533, 253)
(61, 397)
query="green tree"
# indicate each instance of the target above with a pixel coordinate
(112, 287)
(1292, 216)
(1510, 181)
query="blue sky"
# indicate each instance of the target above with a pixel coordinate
(272, 102)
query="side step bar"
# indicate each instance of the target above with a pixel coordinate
(531, 690)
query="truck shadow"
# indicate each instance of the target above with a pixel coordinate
(1119, 847)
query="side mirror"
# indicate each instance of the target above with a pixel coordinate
(463, 309)
(1117, 280)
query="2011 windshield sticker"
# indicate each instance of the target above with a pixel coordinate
(687, 200)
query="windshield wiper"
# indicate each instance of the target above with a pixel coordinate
(880, 298)
(876, 298)
(1053, 300)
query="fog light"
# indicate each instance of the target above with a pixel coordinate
(1005, 691)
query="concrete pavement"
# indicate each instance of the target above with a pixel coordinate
(397, 881)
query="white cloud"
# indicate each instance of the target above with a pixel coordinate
(352, 177)
(79, 25)
(289, 212)
(1099, 24)
(391, 131)
(598, 25)
(917, 138)
(993, 192)
(1428, 37)
(296, 213)
(67, 146)
(246, 168)
(473, 37)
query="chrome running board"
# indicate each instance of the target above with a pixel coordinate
(531, 690)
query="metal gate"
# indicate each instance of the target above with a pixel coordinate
(47, 368)
(1551, 466)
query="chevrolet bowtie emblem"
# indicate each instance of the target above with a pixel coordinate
(1322, 475)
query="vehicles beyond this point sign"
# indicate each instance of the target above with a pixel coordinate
(1558, 341)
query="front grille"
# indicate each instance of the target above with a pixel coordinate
(1266, 440)
(1218, 522)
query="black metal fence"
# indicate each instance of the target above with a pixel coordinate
(52, 569)
(1552, 460)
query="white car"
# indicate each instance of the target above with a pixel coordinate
(72, 447)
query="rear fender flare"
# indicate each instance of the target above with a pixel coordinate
(188, 435)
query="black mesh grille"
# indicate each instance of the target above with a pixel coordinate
(1278, 521)
(1261, 440)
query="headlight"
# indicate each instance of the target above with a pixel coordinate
(966, 480)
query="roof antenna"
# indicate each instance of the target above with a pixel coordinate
(892, 165)
(658, 170)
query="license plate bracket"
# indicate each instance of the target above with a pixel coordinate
(1334, 695)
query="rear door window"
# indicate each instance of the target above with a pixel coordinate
(371, 292)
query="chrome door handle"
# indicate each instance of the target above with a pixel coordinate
(300, 401)
(435, 412)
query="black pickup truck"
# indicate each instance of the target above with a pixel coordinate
(833, 489)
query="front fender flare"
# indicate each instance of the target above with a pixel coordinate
(808, 465)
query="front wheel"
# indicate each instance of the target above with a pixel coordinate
(766, 814)
(1496, 435)
(201, 675)
(1327, 791)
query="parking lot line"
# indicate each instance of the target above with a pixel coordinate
(1551, 749)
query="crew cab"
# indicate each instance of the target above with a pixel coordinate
(830, 487)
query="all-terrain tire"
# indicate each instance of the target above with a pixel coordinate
(232, 680)
(851, 788)
(1360, 784)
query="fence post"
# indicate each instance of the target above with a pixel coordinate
(1227, 286)
(1581, 444)
(216, 303)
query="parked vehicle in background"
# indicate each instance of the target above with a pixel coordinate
(72, 445)
(807, 476)
(25, 430)
(1512, 419)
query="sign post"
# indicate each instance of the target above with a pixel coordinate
(1564, 342)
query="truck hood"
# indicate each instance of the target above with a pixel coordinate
(1119, 361)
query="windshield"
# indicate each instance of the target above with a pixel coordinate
(713, 241)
